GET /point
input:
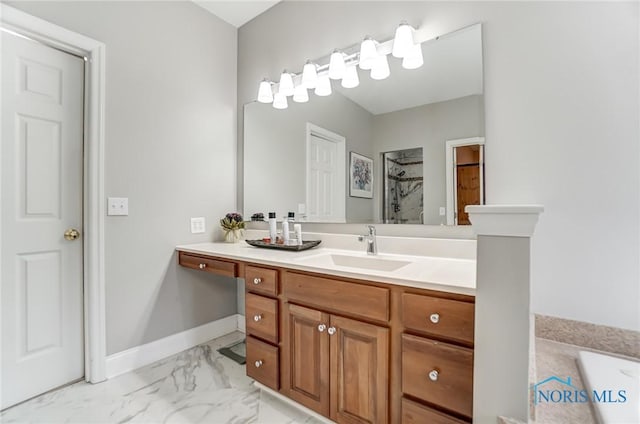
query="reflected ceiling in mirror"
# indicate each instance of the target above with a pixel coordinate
(290, 164)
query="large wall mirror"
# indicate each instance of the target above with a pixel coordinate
(408, 149)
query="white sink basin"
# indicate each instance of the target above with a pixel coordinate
(362, 262)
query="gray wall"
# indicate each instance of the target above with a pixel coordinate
(170, 148)
(429, 127)
(277, 155)
(561, 108)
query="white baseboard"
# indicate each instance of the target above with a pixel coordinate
(139, 356)
(241, 324)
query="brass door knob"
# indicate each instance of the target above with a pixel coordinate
(71, 234)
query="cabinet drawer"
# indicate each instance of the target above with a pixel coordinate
(215, 266)
(415, 413)
(262, 317)
(339, 296)
(447, 318)
(263, 363)
(438, 373)
(261, 280)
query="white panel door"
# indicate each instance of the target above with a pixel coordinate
(325, 180)
(41, 186)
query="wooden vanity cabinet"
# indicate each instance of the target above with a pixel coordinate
(356, 351)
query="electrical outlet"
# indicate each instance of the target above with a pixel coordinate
(197, 225)
(443, 211)
(302, 208)
(118, 206)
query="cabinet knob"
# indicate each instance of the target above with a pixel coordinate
(322, 327)
(258, 363)
(257, 317)
(257, 280)
(202, 266)
(433, 375)
(331, 331)
(434, 318)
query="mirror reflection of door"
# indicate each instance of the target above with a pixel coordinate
(467, 161)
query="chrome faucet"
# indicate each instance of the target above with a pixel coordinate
(370, 239)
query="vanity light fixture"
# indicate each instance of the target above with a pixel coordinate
(342, 64)
(286, 84)
(350, 79)
(368, 53)
(309, 75)
(336, 65)
(300, 94)
(403, 40)
(265, 94)
(280, 101)
(380, 69)
(413, 59)
(323, 88)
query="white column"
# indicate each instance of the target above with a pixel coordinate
(502, 318)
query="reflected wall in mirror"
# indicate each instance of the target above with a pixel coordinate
(412, 110)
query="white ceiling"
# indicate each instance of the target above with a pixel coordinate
(236, 12)
(452, 69)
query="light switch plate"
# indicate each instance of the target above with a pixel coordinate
(197, 225)
(302, 208)
(118, 206)
(443, 211)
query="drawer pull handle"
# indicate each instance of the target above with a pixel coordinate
(433, 375)
(331, 331)
(257, 281)
(322, 327)
(257, 317)
(258, 363)
(202, 266)
(434, 318)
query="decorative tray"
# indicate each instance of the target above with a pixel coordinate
(306, 244)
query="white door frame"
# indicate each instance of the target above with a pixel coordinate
(23, 24)
(450, 177)
(312, 129)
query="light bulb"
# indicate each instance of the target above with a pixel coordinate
(380, 69)
(350, 79)
(413, 59)
(368, 53)
(286, 84)
(280, 101)
(323, 88)
(265, 95)
(336, 65)
(309, 75)
(403, 40)
(300, 94)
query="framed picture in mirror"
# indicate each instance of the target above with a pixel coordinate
(360, 176)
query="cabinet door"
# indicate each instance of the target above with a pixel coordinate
(359, 371)
(305, 357)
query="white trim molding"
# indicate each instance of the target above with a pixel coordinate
(450, 177)
(93, 51)
(504, 220)
(139, 356)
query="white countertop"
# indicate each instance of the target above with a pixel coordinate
(453, 275)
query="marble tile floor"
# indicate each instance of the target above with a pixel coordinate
(195, 386)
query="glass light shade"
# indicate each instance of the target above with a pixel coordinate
(336, 65)
(413, 59)
(265, 95)
(300, 94)
(368, 53)
(286, 84)
(323, 88)
(380, 68)
(280, 101)
(309, 75)
(350, 79)
(403, 40)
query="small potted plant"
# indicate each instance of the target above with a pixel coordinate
(233, 226)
